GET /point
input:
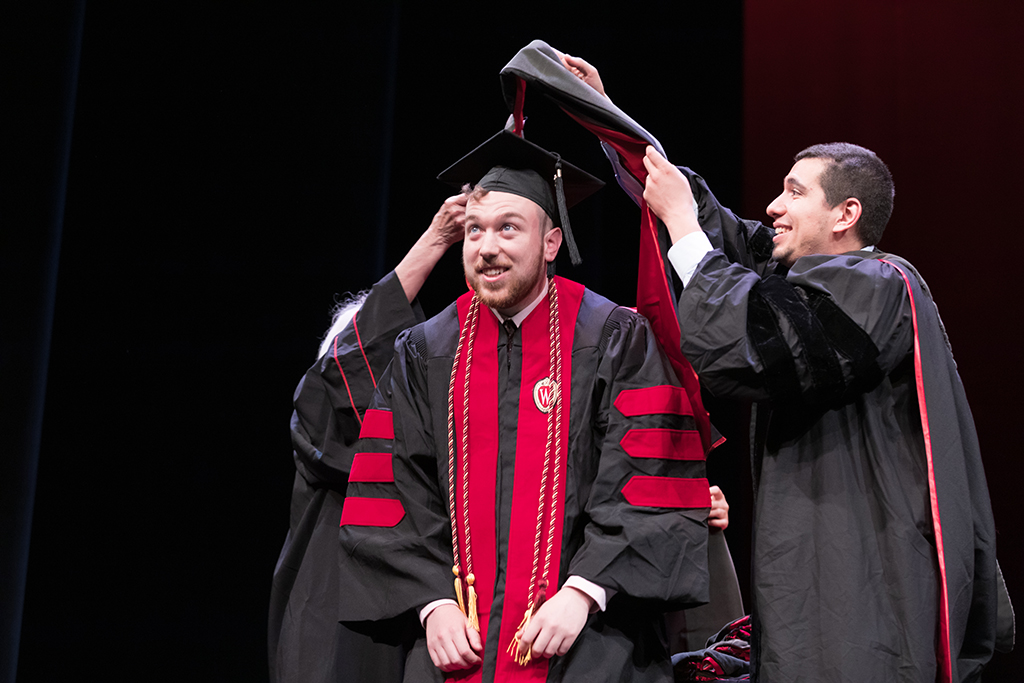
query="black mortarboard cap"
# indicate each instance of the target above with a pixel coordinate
(508, 163)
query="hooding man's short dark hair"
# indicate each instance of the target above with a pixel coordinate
(855, 171)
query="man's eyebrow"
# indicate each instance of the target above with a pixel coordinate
(502, 217)
(795, 182)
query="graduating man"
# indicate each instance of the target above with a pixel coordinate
(532, 489)
(874, 542)
(306, 642)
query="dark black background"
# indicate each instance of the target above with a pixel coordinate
(234, 169)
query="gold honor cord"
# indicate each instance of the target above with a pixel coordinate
(538, 590)
(469, 329)
(474, 619)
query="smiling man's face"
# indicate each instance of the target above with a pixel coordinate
(506, 250)
(802, 219)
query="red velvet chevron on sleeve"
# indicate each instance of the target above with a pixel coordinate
(666, 444)
(384, 512)
(653, 400)
(371, 467)
(377, 424)
(667, 492)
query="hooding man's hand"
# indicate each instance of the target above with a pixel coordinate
(718, 518)
(583, 70)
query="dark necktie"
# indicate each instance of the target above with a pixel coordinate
(510, 330)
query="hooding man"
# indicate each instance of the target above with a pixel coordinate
(874, 543)
(306, 642)
(546, 497)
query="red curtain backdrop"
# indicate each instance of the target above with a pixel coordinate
(937, 90)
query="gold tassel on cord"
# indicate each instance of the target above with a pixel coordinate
(458, 588)
(522, 658)
(474, 619)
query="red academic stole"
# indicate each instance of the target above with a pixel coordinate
(531, 439)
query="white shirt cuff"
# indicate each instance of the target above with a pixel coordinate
(431, 606)
(598, 594)
(686, 254)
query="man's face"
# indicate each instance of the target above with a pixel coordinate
(803, 221)
(505, 255)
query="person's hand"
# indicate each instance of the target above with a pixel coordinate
(584, 71)
(668, 194)
(449, 223)
(452, 643)
(556, 625)
(718, 518)
(447, 227)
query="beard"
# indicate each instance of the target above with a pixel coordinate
(783, 254)
(519, 282)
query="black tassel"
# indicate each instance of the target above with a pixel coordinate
(563, 213)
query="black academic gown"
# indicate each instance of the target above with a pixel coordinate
(847, 582)
(306, 641)
(647, 558)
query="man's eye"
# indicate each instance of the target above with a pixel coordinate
(473, 229)
(508, 228)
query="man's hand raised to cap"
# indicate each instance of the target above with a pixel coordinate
(449, 223)
(446, 228)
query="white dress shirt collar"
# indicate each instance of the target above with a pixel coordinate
(519, 317)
